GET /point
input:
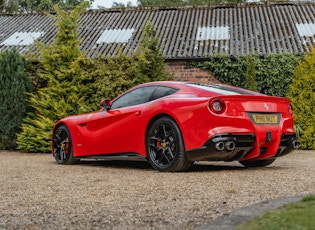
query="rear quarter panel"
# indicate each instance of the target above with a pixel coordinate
(188, 112)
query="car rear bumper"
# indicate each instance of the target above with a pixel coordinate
(230, 147)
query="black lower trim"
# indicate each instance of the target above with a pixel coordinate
(223, 147)
(229, 147)
(120, 156)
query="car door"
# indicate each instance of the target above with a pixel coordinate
(116, 130)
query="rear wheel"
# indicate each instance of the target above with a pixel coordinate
(165, 148)
(62, 144)
(259, 163)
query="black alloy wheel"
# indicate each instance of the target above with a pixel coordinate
(165, 148)
(62, 144)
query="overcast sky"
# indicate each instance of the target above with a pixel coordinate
(109, 3)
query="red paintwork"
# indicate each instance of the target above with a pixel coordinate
(124, 130)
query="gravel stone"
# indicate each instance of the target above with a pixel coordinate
(37, 193)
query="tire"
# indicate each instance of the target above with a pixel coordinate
(62, 144)
(165, 147)
(259, 163)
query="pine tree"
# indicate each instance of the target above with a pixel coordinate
(302, 94)
(149, 61)
(14, 86)
(69, 83)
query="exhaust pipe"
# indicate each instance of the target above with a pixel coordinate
(230, 146)
(219, 146)
(296, 144)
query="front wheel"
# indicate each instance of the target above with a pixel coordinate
(258, 163)
(62, 144)
(165, 148)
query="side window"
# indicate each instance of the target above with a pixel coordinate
(162, 91)
(135, 97)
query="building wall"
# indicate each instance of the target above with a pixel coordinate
(183, 73)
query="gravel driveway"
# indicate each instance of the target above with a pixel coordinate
(37, 193)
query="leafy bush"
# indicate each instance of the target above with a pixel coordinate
(14, 86)
(250, 75)
(302, 94)
(226, 69)
(273, 73)
(115, 75)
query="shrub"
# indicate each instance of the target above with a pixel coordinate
(229, 70)
(302, 94)
(115, 75)
(273, 72)
(14, 86)
(250, 75)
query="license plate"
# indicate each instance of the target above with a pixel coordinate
(261, 118)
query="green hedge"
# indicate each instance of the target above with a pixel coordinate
(273, 73)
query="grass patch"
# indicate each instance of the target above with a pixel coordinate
(297, 215)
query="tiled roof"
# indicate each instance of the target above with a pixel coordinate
(185, 32)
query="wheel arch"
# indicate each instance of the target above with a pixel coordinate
(56, 126)
(179, 161)
(63, 144)
(158, 116)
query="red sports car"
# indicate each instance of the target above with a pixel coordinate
(172, 124)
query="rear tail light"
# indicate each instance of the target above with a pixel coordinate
(217, 106)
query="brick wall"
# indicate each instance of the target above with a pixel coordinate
(182, 73)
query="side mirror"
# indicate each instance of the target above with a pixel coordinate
(105, 104)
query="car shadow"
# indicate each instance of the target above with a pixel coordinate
(117, 164)
(197, 167)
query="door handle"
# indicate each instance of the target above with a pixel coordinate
(137, 113)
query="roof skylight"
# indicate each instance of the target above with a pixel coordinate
(306, 29)
(213, 33)
(22, 38)
(115, 36)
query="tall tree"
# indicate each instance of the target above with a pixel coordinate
(150, 63)
(69, 83)
(33, 5)
(14, 86)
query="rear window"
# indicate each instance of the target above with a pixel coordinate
(223, 89)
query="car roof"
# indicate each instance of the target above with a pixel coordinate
(204, 89)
